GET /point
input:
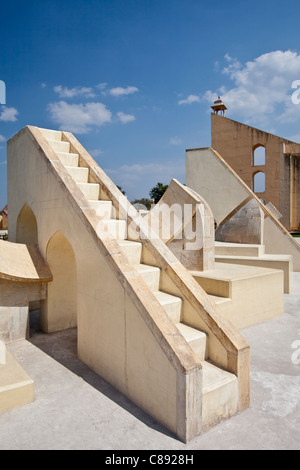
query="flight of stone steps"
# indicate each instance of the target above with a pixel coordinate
(219, 386)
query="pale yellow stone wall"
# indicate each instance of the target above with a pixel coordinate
(184, 221)
(129, 343)
(214, 182)
(16, 387)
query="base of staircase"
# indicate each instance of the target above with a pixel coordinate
(220, 395)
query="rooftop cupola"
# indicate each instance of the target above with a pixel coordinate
(219, 106)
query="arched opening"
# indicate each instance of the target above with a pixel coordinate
(59, 311)
(27, 231)
(259, 182)
(259, 155)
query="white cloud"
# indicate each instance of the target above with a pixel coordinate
(79, 118)
(175, 140)
(190, 99)
(101, 86)
(8, 114)
(262, 87)
(125, 118)
(65, 92)
(2, 139)
(3, 163)
(120, 91)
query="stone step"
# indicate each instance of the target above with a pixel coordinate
(195, 338)
(256, 292)
(220, 395)
(219, 300)
(238, 249)
(133, 250)
(90, 190)
(171, 304)
(216, 287)
(68, 159)
(104, 209)
(79, 174)
(282, 262)
(114, 228)
(51, 135)
(150, 274)
(60, 146)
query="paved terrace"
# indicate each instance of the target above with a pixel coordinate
(75, 409)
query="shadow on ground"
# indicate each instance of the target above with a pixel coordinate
(62, 347)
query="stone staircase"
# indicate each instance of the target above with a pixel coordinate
(219, 387)
(254, 255)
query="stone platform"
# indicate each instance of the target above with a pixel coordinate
(246, 294)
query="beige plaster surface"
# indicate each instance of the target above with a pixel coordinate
(16, 387)
(22, 262)
(184, 221)
(282, 262)
(256, 293)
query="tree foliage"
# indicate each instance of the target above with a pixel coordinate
(122, 191)
(157, 192)
(143, 202)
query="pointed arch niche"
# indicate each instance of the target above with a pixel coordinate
(59, 310)
(27, 231)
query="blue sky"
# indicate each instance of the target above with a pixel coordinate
(134, 80)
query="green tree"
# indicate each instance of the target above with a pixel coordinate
(157, 192)
(122, 191)
(143, 201)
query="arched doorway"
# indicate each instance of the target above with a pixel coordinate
(59, 311)
(27, 231)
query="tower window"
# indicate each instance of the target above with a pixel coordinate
(259, 155)
(259, 182)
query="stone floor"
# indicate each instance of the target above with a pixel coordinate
(76, 409)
